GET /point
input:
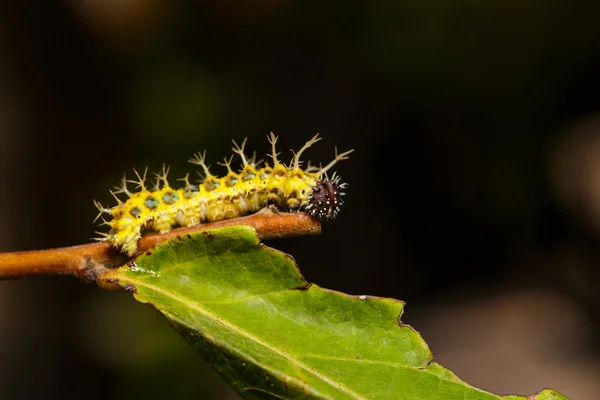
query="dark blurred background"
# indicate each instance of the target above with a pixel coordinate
(474, 188)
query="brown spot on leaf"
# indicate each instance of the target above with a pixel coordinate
(209, 235)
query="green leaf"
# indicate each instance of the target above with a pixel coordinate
(247, 309)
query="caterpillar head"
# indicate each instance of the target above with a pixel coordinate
(326, 200)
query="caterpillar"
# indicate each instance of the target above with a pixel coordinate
(287, 187)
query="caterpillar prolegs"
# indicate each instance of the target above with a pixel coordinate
(288, 187)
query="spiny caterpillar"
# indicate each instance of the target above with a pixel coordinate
(289, 188)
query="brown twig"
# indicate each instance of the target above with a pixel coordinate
(85, 261)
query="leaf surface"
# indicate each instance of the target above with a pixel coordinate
(247, 309)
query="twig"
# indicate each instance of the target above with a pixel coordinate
(86, 261)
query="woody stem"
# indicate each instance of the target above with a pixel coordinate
(86, 261)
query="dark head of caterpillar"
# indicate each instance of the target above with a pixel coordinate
(326, 200)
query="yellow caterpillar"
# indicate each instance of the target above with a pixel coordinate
(290, 188)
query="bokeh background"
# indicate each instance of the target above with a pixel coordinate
(474, 188)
